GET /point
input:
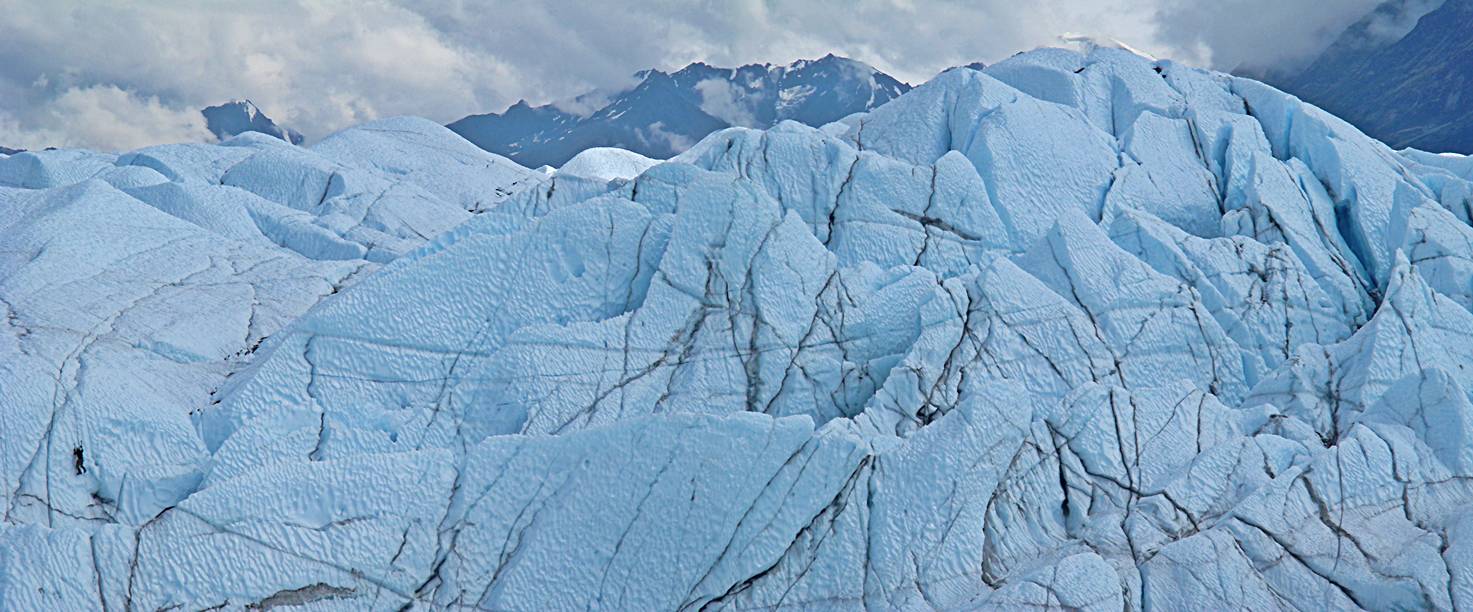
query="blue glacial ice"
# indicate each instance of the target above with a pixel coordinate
(1076, 331)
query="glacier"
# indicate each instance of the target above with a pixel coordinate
(1079, 330)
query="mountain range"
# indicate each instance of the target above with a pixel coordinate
(1403, 74)
(663, 114)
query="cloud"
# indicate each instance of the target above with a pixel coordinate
(1256, 34)
(722, 100)
(1390, 22)
(318, 65)
(321, 65)
(589, 103)
(105, 117)
(658, 134)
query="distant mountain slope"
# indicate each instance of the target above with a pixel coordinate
(665, 114)
(1406, 87)
(239, 116)
(9, 151)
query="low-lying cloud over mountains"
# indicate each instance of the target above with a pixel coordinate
(115, 77)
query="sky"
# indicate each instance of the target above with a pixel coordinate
(116, 75)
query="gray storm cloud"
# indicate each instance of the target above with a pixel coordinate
(75, 70)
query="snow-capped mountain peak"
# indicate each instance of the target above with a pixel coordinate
(1088, 43)
(240, 116)
(662, 113)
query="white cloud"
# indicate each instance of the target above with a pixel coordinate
(588, 103)
(722, 100)
(1397, 22)
(1228, 34)
(105, 117)
(318, 65)
(658, 133)
(321, 65)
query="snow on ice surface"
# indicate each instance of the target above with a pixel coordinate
(1078, 330)
(607, 163)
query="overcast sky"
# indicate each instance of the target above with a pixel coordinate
(114, 75)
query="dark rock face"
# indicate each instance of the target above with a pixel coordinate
(239, 116)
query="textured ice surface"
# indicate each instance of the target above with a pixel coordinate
(1077, 331)
(134, 286)
(607, 163)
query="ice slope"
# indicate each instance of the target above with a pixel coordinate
(1077, 331)
(607, 163)
(133, 286)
